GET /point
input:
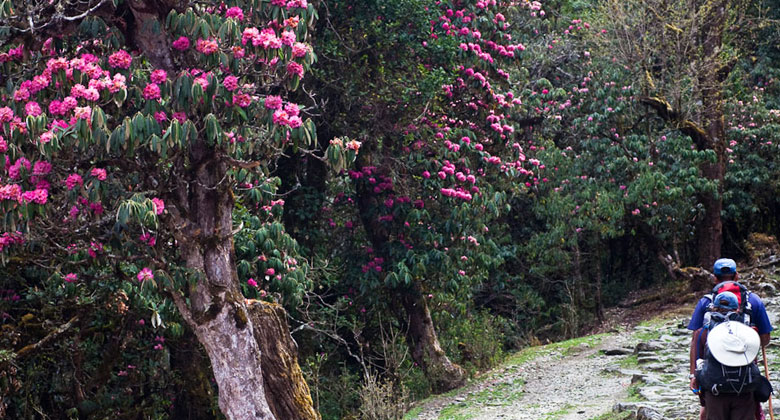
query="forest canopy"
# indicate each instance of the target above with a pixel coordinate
(332, 208)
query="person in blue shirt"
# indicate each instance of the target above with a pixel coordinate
(725, 269)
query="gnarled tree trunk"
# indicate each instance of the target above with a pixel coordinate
(217, 313)
(424, 343)
(285, 389)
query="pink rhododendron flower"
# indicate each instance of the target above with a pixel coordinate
(180, 117)
(353, 145)
(181, 44)
(3, 145)
(235, 12)
(159, 205)
(41, 168)
(300, 49)
(295, 122)
(206, 46)
(83, 112)
(251, 282)
(33, 109)
(160, 116)
(6, 114)
(145, 274)
(73, 180)
(151, 91)
(99, 173)
(21, 94)
(46, 137)
(71, 277)
(288, 38)
(120, 59)
(158, 76)
(281, 118)
(242, 99)
(291, 4)
(270, 272)
(295, 69)
(230, 83)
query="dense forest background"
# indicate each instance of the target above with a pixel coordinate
(422, 186)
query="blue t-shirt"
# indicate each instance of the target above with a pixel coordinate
(759, 316)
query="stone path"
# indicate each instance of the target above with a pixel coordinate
(642, 371)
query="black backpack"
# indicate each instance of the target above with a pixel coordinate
(716, 378)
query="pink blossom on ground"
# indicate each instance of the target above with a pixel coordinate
(145, 274)
(159, 205)
(71, 277)
(181, 44)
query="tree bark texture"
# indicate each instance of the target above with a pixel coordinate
(424, 344)
(217, 312)
(285, 388)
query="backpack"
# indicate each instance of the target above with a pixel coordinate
(743, 297)
(718, 379)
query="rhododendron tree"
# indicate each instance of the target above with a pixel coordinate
(442, 143)
(120, 134)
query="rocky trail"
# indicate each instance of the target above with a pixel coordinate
(634, 372)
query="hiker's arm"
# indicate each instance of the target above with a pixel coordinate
(694, 383)
(764, 339)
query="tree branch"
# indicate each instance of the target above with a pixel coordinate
(30, 348)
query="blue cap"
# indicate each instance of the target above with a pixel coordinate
(724, 266)
(726, 300)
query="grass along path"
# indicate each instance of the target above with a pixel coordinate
(566, 380)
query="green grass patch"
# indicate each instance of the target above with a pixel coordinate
(562, 347)
(558, 413)
(613, 416)
(629, 361)
(633, 393)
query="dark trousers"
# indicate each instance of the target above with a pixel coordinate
(730, 406)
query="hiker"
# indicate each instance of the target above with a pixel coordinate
(724, 306)
(728, 374)
(750, 306)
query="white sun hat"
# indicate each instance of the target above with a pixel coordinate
(734, 343)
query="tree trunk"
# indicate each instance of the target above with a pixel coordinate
(287, 392)
(217, 312)
(424, 344)
(710, 229)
